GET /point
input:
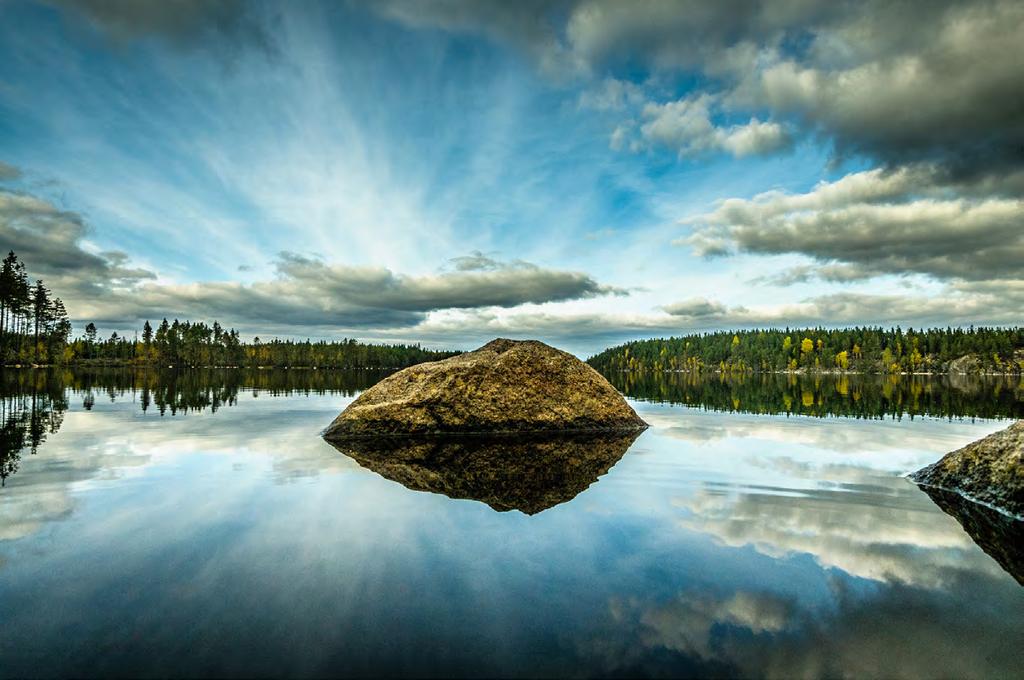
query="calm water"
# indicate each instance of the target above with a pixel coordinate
(196, 524)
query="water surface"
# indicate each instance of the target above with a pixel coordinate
(196, 524)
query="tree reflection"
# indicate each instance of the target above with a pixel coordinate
(33, 402)
(823, 395)
(28, 414)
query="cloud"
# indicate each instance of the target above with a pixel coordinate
(50, 241)
(958, 305)
(698, 308)
(105, 286)
(833, 273)
(475, 261)
(912, 220)
(949, 93)
(181, 23)
(686, 127)
(613, 95)
(531, 25)
(8, 172)
(486, 283)
(311, 293)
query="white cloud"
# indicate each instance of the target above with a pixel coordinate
(612, 95)
(871, 223)
(686, 127)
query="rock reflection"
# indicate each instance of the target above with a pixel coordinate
(528, 473)
(1000, 536)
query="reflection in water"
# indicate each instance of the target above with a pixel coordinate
(722, 544)
(526, 473)
(28, 415)
(33, 402)
(997, 534)
(860, 396)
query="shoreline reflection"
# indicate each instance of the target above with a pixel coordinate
(827, 395)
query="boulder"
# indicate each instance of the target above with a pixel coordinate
(505, 386)
(988, 471)
(525, 472)
(965, 365)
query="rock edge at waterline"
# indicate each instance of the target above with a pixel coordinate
(506, 386)
(989, 471)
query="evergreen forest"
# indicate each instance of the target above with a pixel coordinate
(858, 350)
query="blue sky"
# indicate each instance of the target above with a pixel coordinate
(448, 172)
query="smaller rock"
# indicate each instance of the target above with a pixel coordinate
(989, 471)
(965, 365)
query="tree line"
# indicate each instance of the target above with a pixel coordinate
(35, 329)
(191, 344)
(859, 349)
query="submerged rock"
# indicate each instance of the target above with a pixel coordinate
(529, 473)
(505, 386)
(989, 471)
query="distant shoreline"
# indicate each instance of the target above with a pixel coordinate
(812, 371)
(157, 367)
(706, 371)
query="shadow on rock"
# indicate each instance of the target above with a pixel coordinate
(999, 535)
(529, 473)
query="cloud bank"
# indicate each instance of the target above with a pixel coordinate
(104, 286)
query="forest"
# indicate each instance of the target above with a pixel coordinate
(35, 329)
(855, 350)
(189, 344)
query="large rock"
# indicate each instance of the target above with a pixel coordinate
(526, 472)
(505, 386)
(989, 471)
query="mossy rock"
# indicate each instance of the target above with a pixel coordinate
(505, 386)
(989, 471)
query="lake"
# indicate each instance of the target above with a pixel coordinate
(195, 523)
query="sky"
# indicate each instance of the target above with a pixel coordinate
(583, 172)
